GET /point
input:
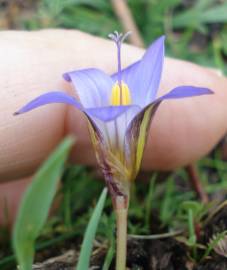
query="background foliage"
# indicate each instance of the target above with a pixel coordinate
(196, 30)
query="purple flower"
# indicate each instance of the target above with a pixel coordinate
(119, 109)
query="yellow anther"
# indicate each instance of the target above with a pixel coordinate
(120, 95)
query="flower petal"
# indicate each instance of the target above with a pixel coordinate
(51, 97)
(186, 91)
(127, 76)
(149, 71)
(113, 169)
(143, 77)
(92, 85)
(110, 113)
(136, 135)
(109, 148)
(137, 130)
(104, 114)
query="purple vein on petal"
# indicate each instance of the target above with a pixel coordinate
(92, 85)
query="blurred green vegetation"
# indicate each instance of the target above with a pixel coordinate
(196, 30)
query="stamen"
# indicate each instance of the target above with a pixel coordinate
(120, 95)
(119, 39)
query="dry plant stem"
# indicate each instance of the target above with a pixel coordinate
(196, 183)
(121, 215)
(124, 14)
(156, 236)
(215, 211)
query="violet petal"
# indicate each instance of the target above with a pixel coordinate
(143, 77)
(136, 136)
(104, 114)
(50, 97)
(186, 91)
(92, 85)
(110, 113)
(126, 75)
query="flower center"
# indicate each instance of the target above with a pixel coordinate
(120, 95)
(120, 92)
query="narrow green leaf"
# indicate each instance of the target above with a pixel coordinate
(203, 4)
(36, 203)
(188, 18)
(110, 235)
(149, 201)
(217, 14)
(166, 210)
(196, 207)
(109, 256)
(86, 249)
(196, 17)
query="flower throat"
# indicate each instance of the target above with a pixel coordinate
(120, 94)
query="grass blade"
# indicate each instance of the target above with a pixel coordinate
(109, 256)
(86, 249)
(36, 203)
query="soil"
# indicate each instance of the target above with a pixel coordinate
(218, 263)
(159, 254)
(217, 224)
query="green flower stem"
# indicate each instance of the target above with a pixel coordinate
(121, 210)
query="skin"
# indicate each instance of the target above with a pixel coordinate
(32, 63)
